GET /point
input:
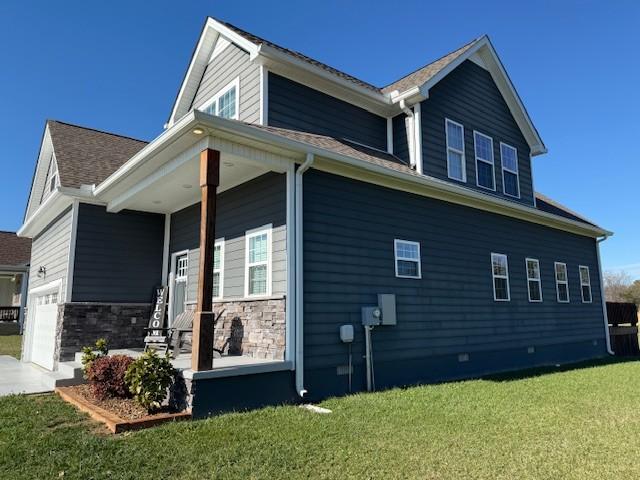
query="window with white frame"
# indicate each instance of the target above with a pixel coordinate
(485, 173)
(225, 103)
(500, 272)
(407, 258)
(218, 269)
(510, 176)
(562, 282)
(534, 283)
(182, 266)
(258, 263)
(585, 284)
(455, 151)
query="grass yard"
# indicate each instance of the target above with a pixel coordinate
(10, 345)
(576, 424)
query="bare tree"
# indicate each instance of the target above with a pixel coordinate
(616, 284)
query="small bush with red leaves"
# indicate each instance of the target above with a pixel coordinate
(106, 376)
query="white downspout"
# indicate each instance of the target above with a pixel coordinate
(411, 137)
(299, 280)
(604, 302)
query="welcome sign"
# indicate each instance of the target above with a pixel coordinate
(158, 315)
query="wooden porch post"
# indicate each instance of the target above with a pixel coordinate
(202, 348)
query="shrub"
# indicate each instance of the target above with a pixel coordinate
(89, 354)
(148, 378)
(106, 376)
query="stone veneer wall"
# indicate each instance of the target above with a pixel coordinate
(81, 324)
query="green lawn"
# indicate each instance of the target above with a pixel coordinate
(10, 345)
(576, 424)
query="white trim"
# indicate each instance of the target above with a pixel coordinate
(455, 150)
(165, 248)
(32, 296)
(603, 301)
(235, 83)
(561, 282)
(483, 160)
(264, 95)
(417, 132)
(291, 262)
(503, 277)
(396, 257)
(72, 250)
(238, 370)
(221, 243)
(390, 135)
(538, 280)
(249, 234)
(588, 284)
(48, 287)
(516, 172)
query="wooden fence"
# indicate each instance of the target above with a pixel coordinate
(623, 328)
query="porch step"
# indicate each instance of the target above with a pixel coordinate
(68, 373)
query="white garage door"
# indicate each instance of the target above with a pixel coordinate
(44, 331)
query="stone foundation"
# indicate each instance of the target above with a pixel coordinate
(81, 324)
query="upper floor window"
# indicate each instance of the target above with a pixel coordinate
(455, 151)
(510, 177)
(224, 103)
(562, 282)
(500, 272)
(258, 262)
(218, 268)
(407, 258)
(585, 284)
(485, 176)
(534, 283)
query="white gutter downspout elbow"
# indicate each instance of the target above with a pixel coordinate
(603, 299)
(299, 305)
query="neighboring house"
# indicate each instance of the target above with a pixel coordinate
(15, 253)
(331, 191)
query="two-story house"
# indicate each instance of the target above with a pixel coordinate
(312, 192)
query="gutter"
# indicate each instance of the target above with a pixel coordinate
(299, 294)
(602, 296)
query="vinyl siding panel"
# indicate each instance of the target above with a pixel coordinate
(349, 230)
(297, 107)
(231, 63)
(249, 206)
(400, 141)
(118, 255)
(50, 249)
(469, 96)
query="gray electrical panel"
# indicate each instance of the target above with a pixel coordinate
(387, 305)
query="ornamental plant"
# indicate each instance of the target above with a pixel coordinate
(90, 354)
(148, 378)
(106, 376)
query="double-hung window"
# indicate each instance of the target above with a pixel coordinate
(585, 284)
(218, 269)
(224, 103)
(407, 258)
(258, 262)
(485, 176)
(510, 177)
(534, 283)
(562, 282)
(500, 272)
(455, 151)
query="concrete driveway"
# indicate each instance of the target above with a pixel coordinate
(17, 377)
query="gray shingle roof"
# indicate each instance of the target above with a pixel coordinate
(86, 156)
(14, 250)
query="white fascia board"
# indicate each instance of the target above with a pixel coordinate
(485, 50)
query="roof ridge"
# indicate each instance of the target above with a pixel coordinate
(432, 62)
(97, 130)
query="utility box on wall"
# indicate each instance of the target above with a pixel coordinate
(387, 305)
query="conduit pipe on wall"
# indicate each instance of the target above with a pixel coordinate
(603, 299)
(299, 308)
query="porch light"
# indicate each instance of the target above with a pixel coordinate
(198, 131)
(42, 271)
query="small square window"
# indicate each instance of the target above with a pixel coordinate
(407, 259)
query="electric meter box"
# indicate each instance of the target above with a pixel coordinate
(387, 305)
(371, 316)
(346, 333)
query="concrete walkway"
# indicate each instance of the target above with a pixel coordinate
(17, 377)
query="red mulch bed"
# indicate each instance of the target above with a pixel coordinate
(125, 408)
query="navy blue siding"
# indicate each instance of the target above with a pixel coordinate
(400, 143)
(468, 95)
(118, 255)
(349, 228)
(297, 107)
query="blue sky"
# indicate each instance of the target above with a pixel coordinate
(117, 66)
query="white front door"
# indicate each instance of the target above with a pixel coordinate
(43, 332)
(179, 275)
